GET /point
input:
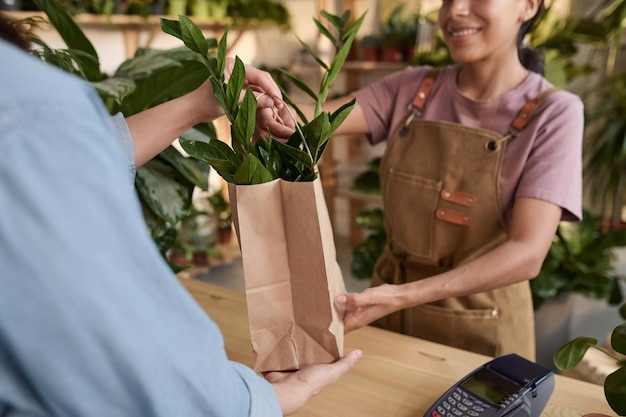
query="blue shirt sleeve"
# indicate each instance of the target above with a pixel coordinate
(126, 143)
(92, 321)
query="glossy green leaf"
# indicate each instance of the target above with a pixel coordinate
(299, 83)
(325, 32)
(116, 88)
(72, 35)
(296, 154)
(618, 338)
(164, 85)
(172, 27)
(251, 171)
(235, 85)
(570, 355)
(245, 122)
(165, 191)
(615, 391)
(193, 36)
(194, 170)
(217, 154)
(339, 115)
(202, 132)
(317, 133)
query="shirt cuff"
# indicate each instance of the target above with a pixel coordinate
(126, 143)
(263, 400)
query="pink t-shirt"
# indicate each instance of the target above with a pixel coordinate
(543, 162)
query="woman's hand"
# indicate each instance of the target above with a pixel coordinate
(369, 305)
(294, 389)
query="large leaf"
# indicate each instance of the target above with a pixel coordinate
(164, 85)
(317, 133)
(194, 170)
(116, 88)
(251, 171)
(570, 355)
(235, 85)
(203, 132)
(164, 190)
(618, 339)
(245, 122)
(216, 153)
(192, 36)
(72, 35)
(615, 391)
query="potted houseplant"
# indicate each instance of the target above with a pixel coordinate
(572, 353)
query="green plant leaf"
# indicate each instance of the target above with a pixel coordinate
(72, 35)
(217, 154)
(339, 115)
(618, 339)
(296, 154)
(615, 391)
(235, 85)
(317, 133)
(194, 170)
(570, 354)
(192, 36)
(313, 54)
(162, 83)
(245, 122)
(298, 83)
(322, 29)
(202, 132)
(251, 171)
(116, 88)
(172, 27)
(164, 190)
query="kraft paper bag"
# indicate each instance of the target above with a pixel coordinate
(291, 273)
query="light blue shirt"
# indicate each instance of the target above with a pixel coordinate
(92, 321)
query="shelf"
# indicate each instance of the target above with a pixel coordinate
(132, 25)
(369, 66)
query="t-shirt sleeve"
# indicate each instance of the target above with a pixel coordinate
(92, 320)
(380, 100)
(553, 171)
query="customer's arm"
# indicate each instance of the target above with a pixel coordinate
(154, 129)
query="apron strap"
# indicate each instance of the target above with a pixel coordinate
(527, 111)
(419, 100)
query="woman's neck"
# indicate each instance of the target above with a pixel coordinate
(484, 82)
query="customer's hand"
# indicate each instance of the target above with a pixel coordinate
(369, 305)
(294, 389)
(273, 115)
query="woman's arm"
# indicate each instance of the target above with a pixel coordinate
(533, 226)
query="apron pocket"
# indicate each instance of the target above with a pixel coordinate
(475, 330)
(410, 202)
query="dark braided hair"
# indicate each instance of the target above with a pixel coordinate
(11, 33)
(531, 59)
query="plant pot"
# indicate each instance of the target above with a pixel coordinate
(218, 10)
(200, 8)
(224, 235)
(177, 7)
(391, 54)
(370, 53)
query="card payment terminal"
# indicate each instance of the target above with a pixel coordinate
(506, 386)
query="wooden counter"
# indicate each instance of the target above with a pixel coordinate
(397, 376)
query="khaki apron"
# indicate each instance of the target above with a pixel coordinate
(442, 208)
